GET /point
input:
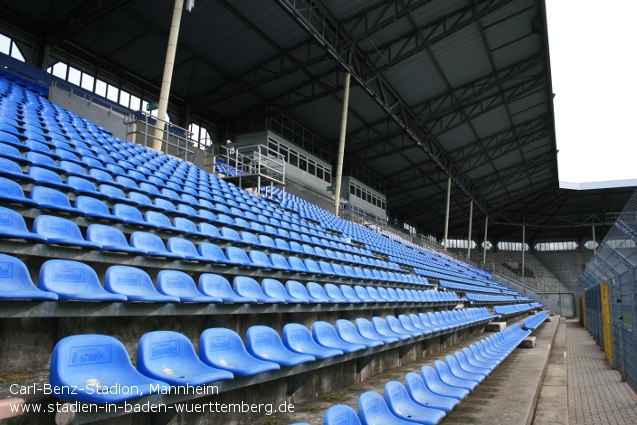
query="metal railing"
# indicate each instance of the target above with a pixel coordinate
(176, 141)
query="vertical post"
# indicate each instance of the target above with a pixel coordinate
(168, 75)
(594, 244)
(523, 245)
(341, 147)
(484, 248)
(447, 213)
(470, 226)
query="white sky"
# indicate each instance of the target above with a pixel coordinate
(593, 46)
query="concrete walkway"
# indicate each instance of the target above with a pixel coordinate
(596, 394)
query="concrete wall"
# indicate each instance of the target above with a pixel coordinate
(100, 116)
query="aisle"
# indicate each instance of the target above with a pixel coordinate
(596, 394)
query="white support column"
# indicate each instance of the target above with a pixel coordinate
(484, 247)
(447, 212)
(341, 147)
(470, 228)
(168, 75)
(594, 244)
(523, 243)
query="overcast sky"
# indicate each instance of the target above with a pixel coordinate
(593, 47)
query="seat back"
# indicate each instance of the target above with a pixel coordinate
(16, 283)
(58, 229)
(317, 292)
(147, 242)
(182, 247)
(178, 284)
(341, 415)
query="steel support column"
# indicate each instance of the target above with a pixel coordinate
(447, 211)
(470, 226)
(484, 247)
(341, 148)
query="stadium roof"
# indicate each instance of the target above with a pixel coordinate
(439, 88)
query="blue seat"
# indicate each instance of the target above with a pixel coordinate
(184, 225)
(400, 404)
(297, 265)
(298, 338)
(158, 220)
(72, 280)
(334, 294)
(180, 284)
(349, 294)
(312, 267)
(184, 248)
(152, 245)
(11, 191)
(223, 348)
(533, 322)
(91, 207)
(366, 329)
(110, 239)
(460, 372)
(212, 253)
(12, 170)
(325, 334)
(449, 378)
(260, 259)
(381, 327)
(317, 292)
(135, 284)
(422, 395)
(83, 364)
(51, 199)
(298, 291)
(170, 357)
(469, 363)
(58, 230)
(395, 325)
(238, 257)
(274, 289)
(12, 226)
(218, 286)
(250, 288)
(372, 410)
(46, 177)
(363, 294)
(348, 333)
(264, 343)
(437, 386)
(16, 283)
(12, 153)
(279, 262)
(341, 415)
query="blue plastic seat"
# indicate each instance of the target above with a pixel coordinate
(334, 294)
(91, 207)
(469, 363)
(158, 220)
(299, 293)
(317, 292)
(12, 192)
(422, 395)
(298, 338)
(237, 256)
(218, 286)
(12, 226)
(297, 265)
(184, 225)
(72, 280)
(341, 415)
(325, 334)
(170, 357)
(46, 177)
(396, 326)
(212, 253)
(312, 267)
(110, 239)
(260, 259)
(373, 410)
(279, 262)
(223, 348)
(449, 378)
(51, 199)
(383, 329)
(135, 284)
(152, 245)
(58, 230)
(348, 333)
(435, 385)
(400, 404)
(274, 289)
(184, 248)
(366, 329)
(265, 343)
(363, 294)
(180, 284)
(16, 283)
(250, 288)
(82, 365)
(12, 170)
(462, 373)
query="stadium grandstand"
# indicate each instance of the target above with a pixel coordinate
(301, 212)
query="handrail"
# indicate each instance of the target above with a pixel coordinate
(141, 128)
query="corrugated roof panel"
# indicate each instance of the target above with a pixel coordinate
(341, 10)
(509, 29)
(516, 51)
(462, 56)
(529, 114)
(491, 122)
(360, 102)
(323, 117)
(525, 102)
(457, 137)
(416, 79)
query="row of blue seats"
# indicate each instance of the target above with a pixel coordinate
(61, 231)
(28, 85)
(508, 310)
(471, 296)
(481, 289)
(429, 396)
(534, 322)
(73, 280)
(167, 359)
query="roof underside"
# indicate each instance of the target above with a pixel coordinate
(439, 88)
